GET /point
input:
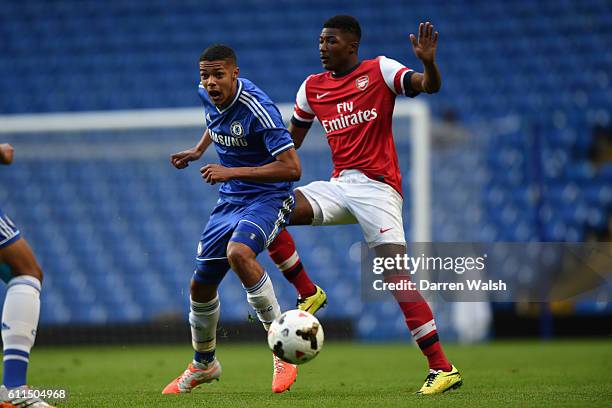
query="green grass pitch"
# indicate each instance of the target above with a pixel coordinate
(504, 374)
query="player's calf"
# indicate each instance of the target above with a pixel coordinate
(19, 322)
(204, 312)
(417, 313)
(284, 254)
(21, 260)
(21, 310)
(203, 319)
(261, 297)
(256, 283)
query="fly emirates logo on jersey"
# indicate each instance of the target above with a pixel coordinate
(347, 117)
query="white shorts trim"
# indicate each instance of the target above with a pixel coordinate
(210, 259)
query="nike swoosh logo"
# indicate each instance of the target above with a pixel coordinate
(451, 374)
(417, 333)
(382, 231)
(323, 95)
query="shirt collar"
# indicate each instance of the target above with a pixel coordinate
(238, 90)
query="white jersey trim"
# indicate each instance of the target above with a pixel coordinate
(238, 94)
(389, 69)
(8, 232)
(258, 110)
(282, 148)
(402, 82)
(301, 118)
(301, 100)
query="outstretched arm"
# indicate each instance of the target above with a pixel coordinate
(181, 160)
(6, 153)
(286, 167)
(430, 81)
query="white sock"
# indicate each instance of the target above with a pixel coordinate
(261, 297)
(19, 321)
(203, 319)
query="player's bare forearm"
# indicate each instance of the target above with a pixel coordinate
(270, 173)
(286, 167)
(6, 153)
(430, 81)
(181, 160)
(297, 134)
(204, 143)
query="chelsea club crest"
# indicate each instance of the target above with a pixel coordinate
(237, 129)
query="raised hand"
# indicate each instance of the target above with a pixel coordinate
(425, 45)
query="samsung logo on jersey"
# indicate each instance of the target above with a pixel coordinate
(229, 141)
(344, 121)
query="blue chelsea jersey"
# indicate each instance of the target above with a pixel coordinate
(249, 132)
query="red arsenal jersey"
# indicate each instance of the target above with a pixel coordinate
(356, 112)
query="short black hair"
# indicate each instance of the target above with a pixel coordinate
(348, 24)
(218, 52)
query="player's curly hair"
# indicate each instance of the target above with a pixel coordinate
(218, 52)
(344, 23)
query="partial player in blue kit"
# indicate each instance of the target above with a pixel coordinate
(257, 165)
(20, 270)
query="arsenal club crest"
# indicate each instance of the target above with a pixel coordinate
(362, 82)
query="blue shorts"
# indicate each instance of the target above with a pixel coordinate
(255, 224)
(9, 233)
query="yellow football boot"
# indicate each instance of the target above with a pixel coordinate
(440, 381)
(314, 302)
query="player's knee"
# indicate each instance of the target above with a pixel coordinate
(390, 250)
(238, 255)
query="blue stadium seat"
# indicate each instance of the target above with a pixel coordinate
(143, 54)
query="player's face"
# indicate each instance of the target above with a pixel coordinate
(219, 80)
(336, 49)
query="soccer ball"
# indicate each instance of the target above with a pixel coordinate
(296, 337)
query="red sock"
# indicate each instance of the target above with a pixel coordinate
(422, 325)
(283, 253)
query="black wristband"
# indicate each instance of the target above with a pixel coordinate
(299, 123)
(408, 91)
